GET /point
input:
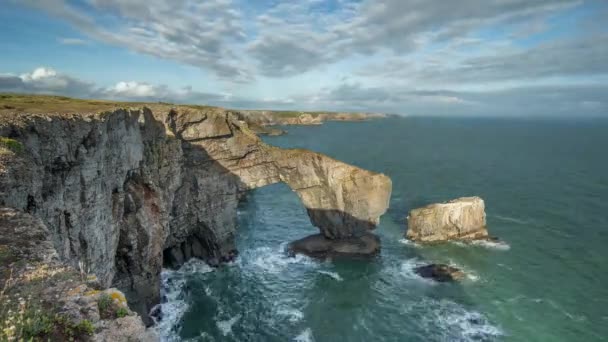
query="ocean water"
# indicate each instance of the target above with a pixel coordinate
(546, 190)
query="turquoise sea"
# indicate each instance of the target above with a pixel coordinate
(545, 184)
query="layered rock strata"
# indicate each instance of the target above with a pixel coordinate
(125, 191)
(460, 219)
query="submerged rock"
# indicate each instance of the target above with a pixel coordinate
(319, 246)
(460, 219)
(440, 272)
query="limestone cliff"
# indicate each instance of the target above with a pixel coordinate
(128, 190)
(460, 219)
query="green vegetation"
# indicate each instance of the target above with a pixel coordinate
(106, 307)
(111, 306)
(11, 144)
(122, 312)
(30, 322)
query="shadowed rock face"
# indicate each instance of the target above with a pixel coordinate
(126, 191)
(460, 219)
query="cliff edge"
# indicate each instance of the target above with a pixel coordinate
(126, 191)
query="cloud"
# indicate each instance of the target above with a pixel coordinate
(133, 89)
(46, 80)
(584, 99)
(239, 43)
(202, 34)
(564, 58)
(528, 101)
(390, 27)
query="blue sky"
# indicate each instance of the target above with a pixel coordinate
(410, 57)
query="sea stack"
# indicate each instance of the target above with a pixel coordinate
(459, 219)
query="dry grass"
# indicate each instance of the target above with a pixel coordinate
(47, 104)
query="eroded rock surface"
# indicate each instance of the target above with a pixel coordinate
(124, 191)
(460, 219)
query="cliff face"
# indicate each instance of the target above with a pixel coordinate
(125, 191)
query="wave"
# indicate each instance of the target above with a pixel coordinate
(409, 242)
(408, 270)
(498, 245)
(305, 336)
(510, 219)
(455, 323)
(330, 274)
(275, 260)
(469, 274)
(293, 315)
(226, 326)
(174, 304)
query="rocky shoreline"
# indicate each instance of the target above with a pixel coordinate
(122, 192)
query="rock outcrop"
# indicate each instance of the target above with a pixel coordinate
(125, 191)
(58, 302)
(460, 219)
(319, 246)
(440, 272)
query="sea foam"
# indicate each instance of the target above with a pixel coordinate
(305, 336)
(174, 304)
(330, 274)
(226, 326)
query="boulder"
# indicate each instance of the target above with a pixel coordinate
(440, 272)
(460, 219)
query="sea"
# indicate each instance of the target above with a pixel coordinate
(545, 185)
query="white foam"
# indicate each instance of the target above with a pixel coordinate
(409, 242)
(330, 274)
(498, 245)
(470, 275)
(455, 322)
(275, 260)
(305, 336)
(293, 315)
(172, 289)
(226, 326)
(408, 268)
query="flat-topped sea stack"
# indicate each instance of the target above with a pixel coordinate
(460, 219)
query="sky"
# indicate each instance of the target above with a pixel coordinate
(519, 58)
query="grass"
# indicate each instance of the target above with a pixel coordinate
(37, 104)
(30, 103)
(32, 322)
(11, 144)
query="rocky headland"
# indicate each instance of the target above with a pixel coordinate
(265, 118)
(119, 193)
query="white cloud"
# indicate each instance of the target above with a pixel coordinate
(39, 74)
(133, 89)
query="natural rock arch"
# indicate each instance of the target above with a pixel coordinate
(119, 189)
